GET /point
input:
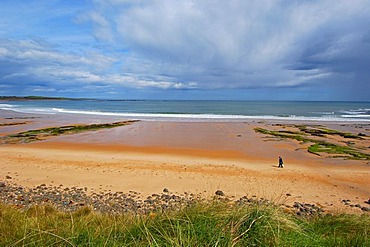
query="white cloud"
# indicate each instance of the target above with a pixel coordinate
(41, 62)
(102, 28)
(233, 43)
(43, 53)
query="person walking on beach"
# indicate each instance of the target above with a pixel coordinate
(281, 162)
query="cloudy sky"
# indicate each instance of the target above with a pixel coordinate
(188, 49)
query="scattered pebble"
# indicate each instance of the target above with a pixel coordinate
(347, 202)
(73, 198)
(219, 193)
(307, 209)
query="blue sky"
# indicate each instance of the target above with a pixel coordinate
(242, 50)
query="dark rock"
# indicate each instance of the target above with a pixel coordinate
(219, 193)
(165, 190)
(118, 202)
(366, 209)
(149, 201)
(306, 209)
(361, 134)
(287, 194)
(8, 177)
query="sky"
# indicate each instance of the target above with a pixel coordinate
(188, 49)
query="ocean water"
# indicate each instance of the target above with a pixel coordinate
(199, 110)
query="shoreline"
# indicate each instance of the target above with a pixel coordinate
(162, 111)
(184, 157)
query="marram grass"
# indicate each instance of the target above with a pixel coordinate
(204, 224)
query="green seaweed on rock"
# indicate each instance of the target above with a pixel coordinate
(41, 134)
(320, 146)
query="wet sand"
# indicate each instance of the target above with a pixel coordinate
(195, 157)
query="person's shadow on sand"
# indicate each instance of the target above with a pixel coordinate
(275, 166)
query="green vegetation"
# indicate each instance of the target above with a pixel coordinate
(204, 224)
(41, 134)
(336, 149)
(306, 134)
(12, 124)
(284, 134)
(321, 131)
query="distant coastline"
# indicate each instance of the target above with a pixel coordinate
(31, 97)
(35, 98)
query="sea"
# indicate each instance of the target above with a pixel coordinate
(190, 110)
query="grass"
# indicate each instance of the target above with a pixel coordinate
(41, 134)
(205, 224)
(319, 146)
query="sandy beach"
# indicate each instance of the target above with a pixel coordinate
(192, 157)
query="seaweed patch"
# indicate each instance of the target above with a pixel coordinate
(42, 134)
(307, 134)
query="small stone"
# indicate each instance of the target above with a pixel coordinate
(287, 194)
(8, 177)
(165, 190)
(219, 193)
(149, 201)
(366, 209)
(2, 184)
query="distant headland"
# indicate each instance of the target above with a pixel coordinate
(34, 98)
